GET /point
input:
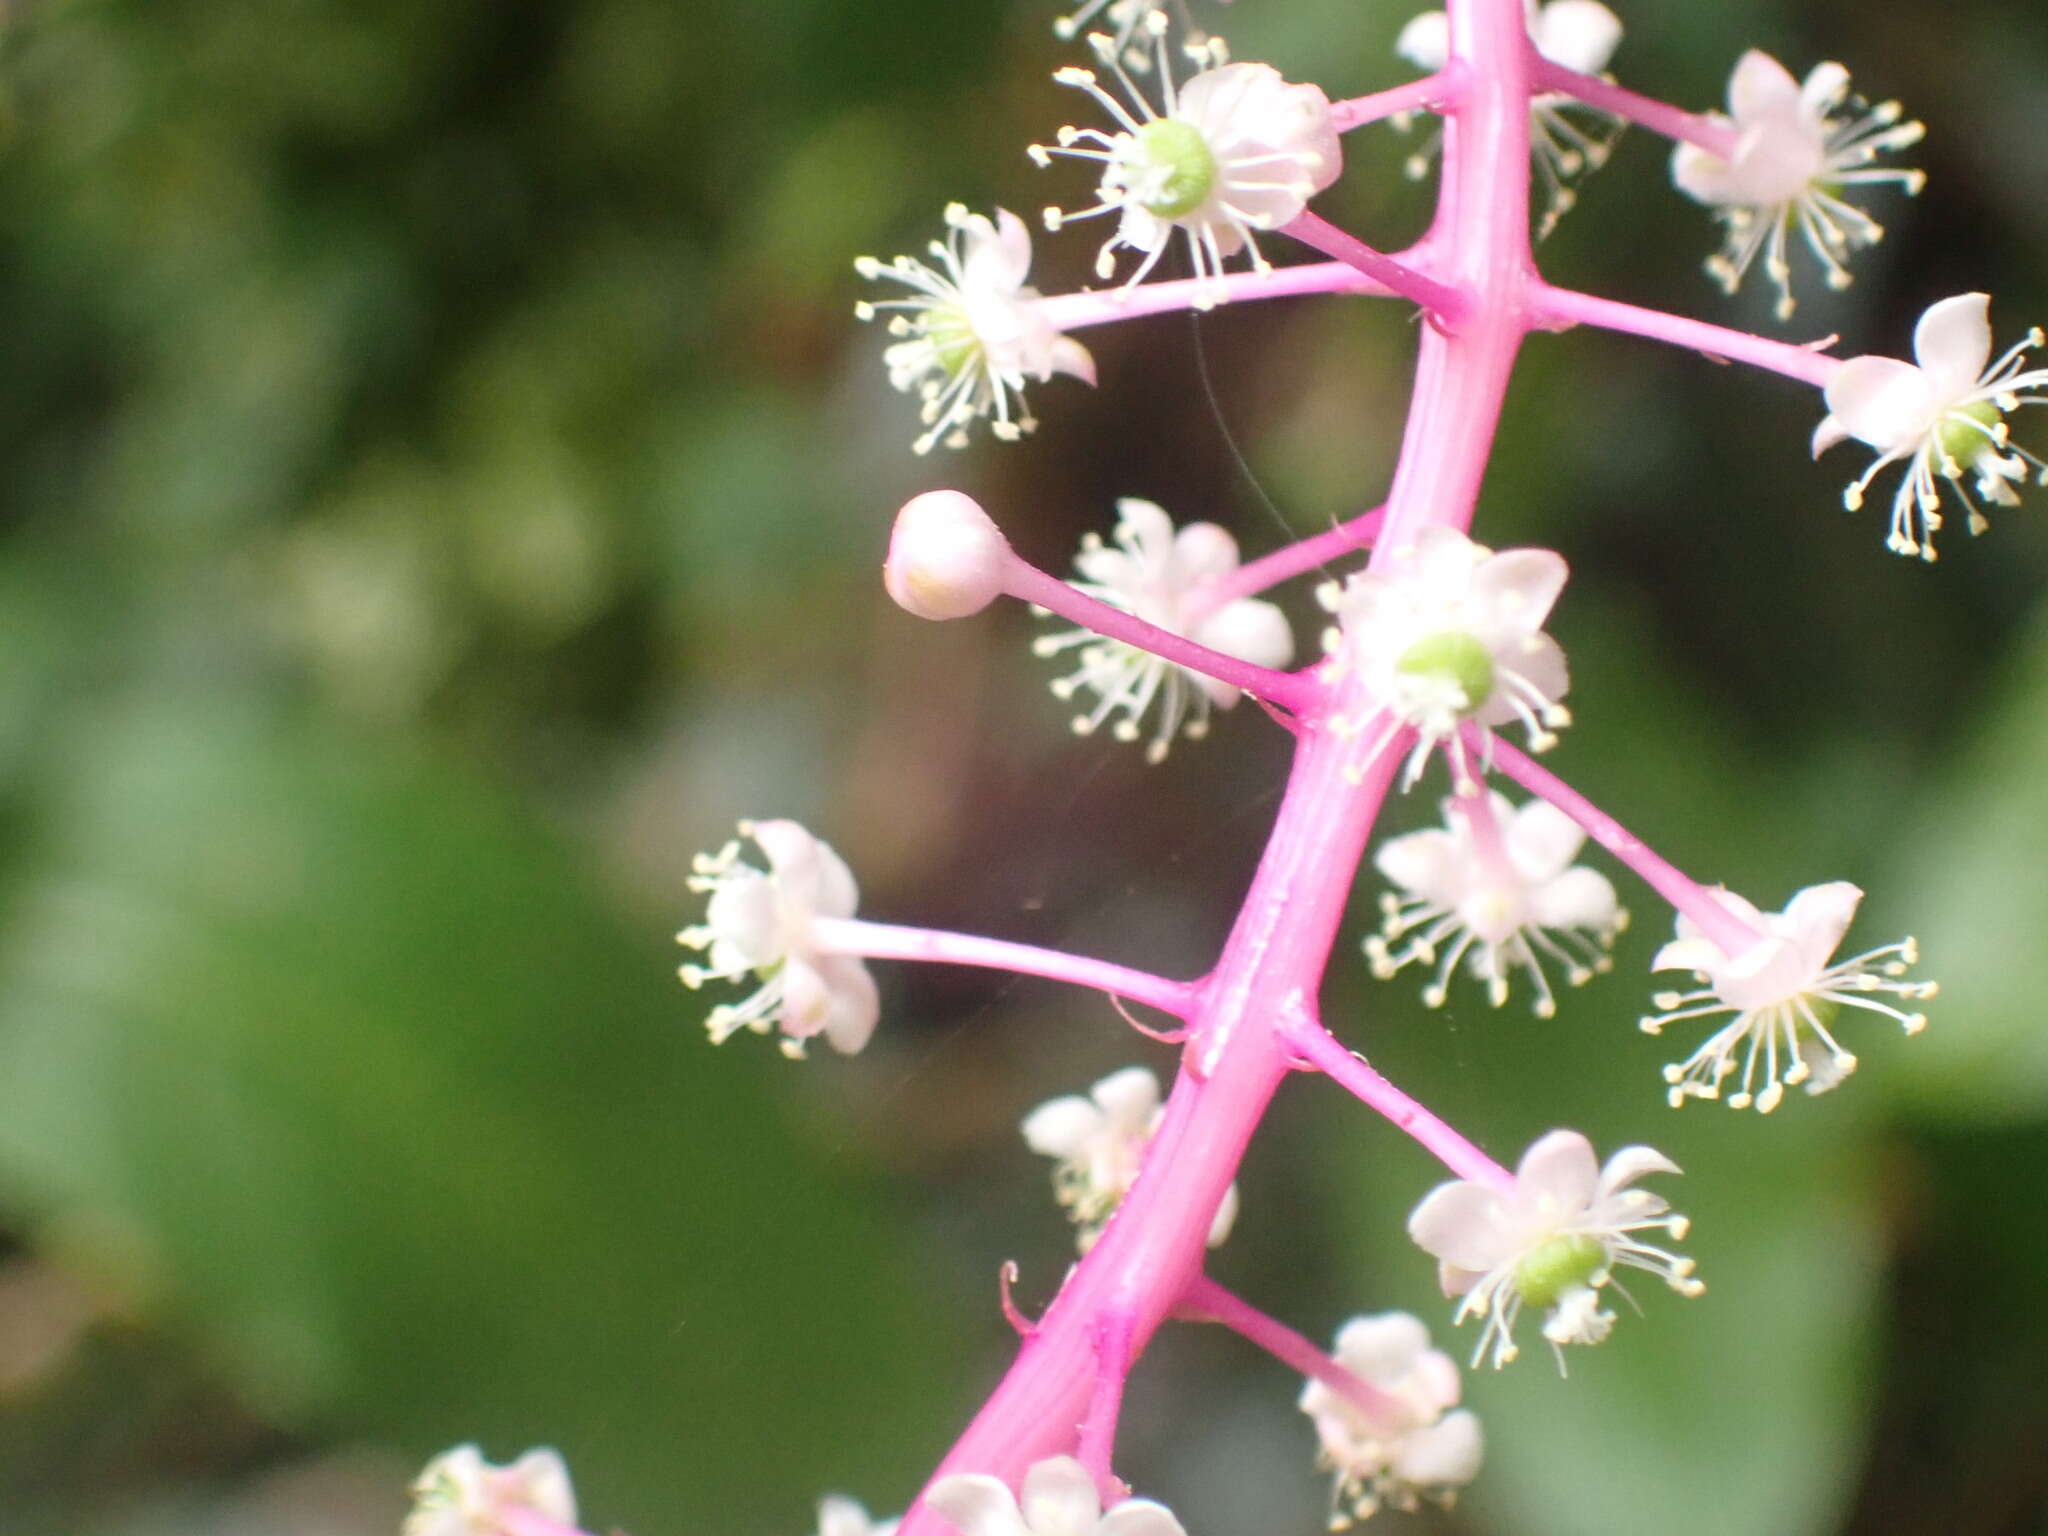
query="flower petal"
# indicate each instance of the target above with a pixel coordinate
(1520, 586)
(1447, 1454)
(1128, 1099)
(1059, 1496)
(1540, 838)
(1952, 343)
(1062, 1127)
(1251, 630)
(1465, 1225)
(978, 1505)
(842, 1517)
(1426, 41)
(1382, 1348)
(792, 852)
(1630, 1164)
(1761, 87)
(1140, 1517)
(855, 1005)
(1202, 552)
(1691, 953)
(1819, 915)
(837, 894)
(1070, 357)
(1578, 34)
(1578, 898)
(1431, 863)
(1882, 401)
(1828, 433)
(1558, 1172)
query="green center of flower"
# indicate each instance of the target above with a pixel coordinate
(1967, 431)
(1554, 1267)
(1179, 170)
(1454, 659)
(952, 337)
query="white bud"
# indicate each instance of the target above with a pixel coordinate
(946, 557)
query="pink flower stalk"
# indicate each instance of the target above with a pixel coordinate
(1436, 641)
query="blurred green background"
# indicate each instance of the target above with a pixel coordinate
(443, 488)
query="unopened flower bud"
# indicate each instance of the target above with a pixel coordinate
(946, 557)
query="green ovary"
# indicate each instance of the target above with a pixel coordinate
(1178, 156)
(1554, 1267)
(1452, 657)
(952, 337)
(1965, 432)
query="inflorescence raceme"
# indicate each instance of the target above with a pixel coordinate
(1437, 647)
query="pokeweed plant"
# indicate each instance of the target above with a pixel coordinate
(1435, 651)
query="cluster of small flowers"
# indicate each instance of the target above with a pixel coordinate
(1237, 150)
(1439, 648)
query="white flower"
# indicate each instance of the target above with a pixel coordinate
(1505, 893)
(758, 924)
(1785, 991)
(1416, 1447)
(839, 1516)
(1164, 578)
(1566, 136)
(1236, 149)
(1551, 1242)
(1454, 632)
(1798, 148)
(461, 1494)
(1944, 418)
(1099, 1142)
(972, 331)
(1058, 1498)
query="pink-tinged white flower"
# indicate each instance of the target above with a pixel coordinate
(1552, 1242)
(1099, 1142)
(1495, 886)
(1417, 1447)
(839, 1516)
(1798, 149)
(1452, 631)
(461, 1494)
(1786, 992)
(1057, 1498)
(1231, 151)
(972, 331)
(1566, 137)
(1943, 416)
(1165, 578)
(758, 926)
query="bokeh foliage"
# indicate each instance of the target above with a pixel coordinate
(443, 488)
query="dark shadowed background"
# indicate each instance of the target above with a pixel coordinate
(443, 488)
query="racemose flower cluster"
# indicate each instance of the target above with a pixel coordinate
(1438, 653)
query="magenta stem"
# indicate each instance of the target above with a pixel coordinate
(1208, 1302)
(1444, 300)
(1097, 1448)
(1298, 559)
(1727, 931)
(1433, 93)
(1328, 1055)
(1238, 1051)
(1560, 308)
(886, 941)
(1021, 579)
(1714, 134)
(1476, 805)
(1074, 311)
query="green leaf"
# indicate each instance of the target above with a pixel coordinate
(327, 1055)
